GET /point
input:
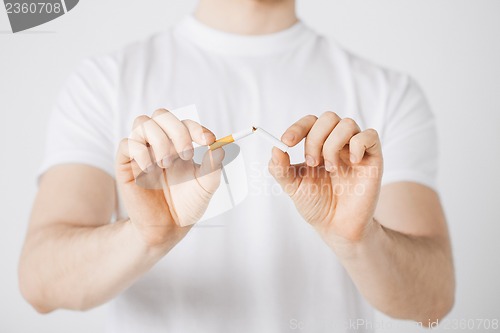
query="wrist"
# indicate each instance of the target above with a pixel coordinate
(148, 243)
(350, 247)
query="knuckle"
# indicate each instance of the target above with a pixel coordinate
(159, 112)
(139, 120)
(193, 126)
(372, 133)
(190, 128)
(303, 125)
(190, 122)
(349, 122)
(311, 117)
(124, 147)
(330, 115)
(142, 117)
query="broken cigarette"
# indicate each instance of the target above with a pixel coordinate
(231, 138)
(239, 135)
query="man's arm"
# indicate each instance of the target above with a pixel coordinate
(403, 265)
(393, 241)
(73, 257)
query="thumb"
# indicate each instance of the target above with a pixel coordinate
(282, 171)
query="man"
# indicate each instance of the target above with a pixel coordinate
(341, 234)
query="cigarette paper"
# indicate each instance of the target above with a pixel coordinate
(274, 141)
(244, 133)
(231, 138)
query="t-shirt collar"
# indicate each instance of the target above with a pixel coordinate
(218, 41)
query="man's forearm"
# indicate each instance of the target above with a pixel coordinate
(71, 267)
(406, 277)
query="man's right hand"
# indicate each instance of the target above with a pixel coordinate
(79, 259)
(163, 189)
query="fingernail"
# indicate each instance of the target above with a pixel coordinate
(353, 158)
(288, 137)
(310, 161)
(187, 152)
(328, 166)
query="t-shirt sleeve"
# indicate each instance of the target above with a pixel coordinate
(80, 127)
(409, 138)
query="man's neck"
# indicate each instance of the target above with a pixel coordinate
(247, 17)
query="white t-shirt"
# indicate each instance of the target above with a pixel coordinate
(260, 268)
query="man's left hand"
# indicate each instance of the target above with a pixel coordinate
(336, 188)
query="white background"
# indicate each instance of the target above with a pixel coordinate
(452, 47)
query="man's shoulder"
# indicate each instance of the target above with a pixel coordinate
(139, 50)
(363, 71)
(378, 92)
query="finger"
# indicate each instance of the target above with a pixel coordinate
(160, 143)
(148, 132)
(336, 141)
(295, 133)
(367, 141)
(317, 136)
(137, 133)
(199, 134)
(129, 150)
(125, 168)
(176, 131)
(280, 168)
(123, 154)
(209, 172)
(171, 153)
